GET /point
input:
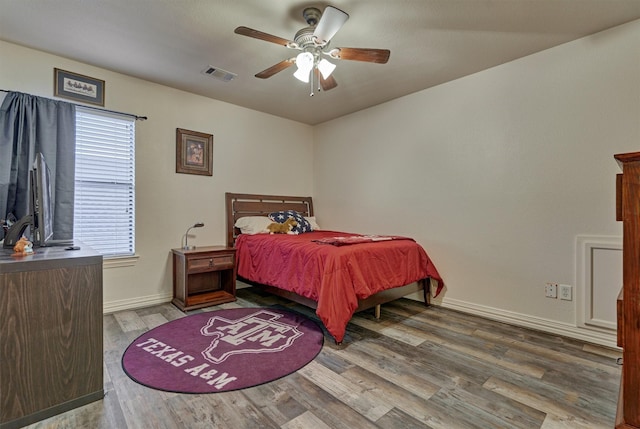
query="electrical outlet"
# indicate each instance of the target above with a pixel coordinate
(551, 290)
(565, 292)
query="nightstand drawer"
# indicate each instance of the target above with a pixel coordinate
(196, 265)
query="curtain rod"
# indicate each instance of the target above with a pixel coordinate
(138, 118)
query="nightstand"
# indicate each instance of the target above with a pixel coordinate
(203, 276)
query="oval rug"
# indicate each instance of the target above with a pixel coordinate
(223, 350)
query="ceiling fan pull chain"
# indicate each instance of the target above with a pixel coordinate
(311, 83)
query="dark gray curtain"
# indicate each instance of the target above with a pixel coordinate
(28, 125)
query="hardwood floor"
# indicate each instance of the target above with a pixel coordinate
(417, 367)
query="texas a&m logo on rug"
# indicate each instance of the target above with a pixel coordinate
(259, 332)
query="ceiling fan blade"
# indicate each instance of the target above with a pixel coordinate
(325, 84)
(266, 73)
(250, 32)
(328, 83)
(380, 56)
(330, 22)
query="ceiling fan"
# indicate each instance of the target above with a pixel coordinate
(314, 41)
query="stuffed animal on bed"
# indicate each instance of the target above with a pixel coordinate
(23, 247)
(282, 228)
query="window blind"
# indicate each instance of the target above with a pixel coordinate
(104, 211)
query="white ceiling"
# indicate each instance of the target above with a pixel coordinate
(431, 41)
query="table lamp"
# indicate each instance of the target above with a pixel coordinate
(186, 235)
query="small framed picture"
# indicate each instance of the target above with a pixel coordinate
(194, 152)
(78, 87)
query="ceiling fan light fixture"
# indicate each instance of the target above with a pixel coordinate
(302, 75)
(326, 68)
(304, 62)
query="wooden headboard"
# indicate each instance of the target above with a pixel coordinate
(239, 205)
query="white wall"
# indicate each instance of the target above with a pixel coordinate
(495, 174)
(252, 152)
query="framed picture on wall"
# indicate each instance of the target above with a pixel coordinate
(78, 87)
(194, 152)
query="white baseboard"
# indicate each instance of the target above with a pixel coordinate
(600, 337)
(603, 338)
(145, 301)
(133, 303)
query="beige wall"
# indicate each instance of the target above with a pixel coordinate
(253, 153)
(496, 174)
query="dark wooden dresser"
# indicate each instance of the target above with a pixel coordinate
(628, 305)
(51, 349)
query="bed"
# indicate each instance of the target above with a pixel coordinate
(334, 272)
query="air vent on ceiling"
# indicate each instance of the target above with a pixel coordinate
(218, 73)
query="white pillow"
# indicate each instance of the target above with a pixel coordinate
(313, 223)
(253, 224)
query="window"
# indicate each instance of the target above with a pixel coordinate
(104, 213)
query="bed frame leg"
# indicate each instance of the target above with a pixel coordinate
(426, 287)
(377, 311)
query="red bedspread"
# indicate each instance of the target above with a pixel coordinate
(333, 276)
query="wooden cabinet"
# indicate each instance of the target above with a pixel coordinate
(628, 303)
(51, 349)
(203, 277)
